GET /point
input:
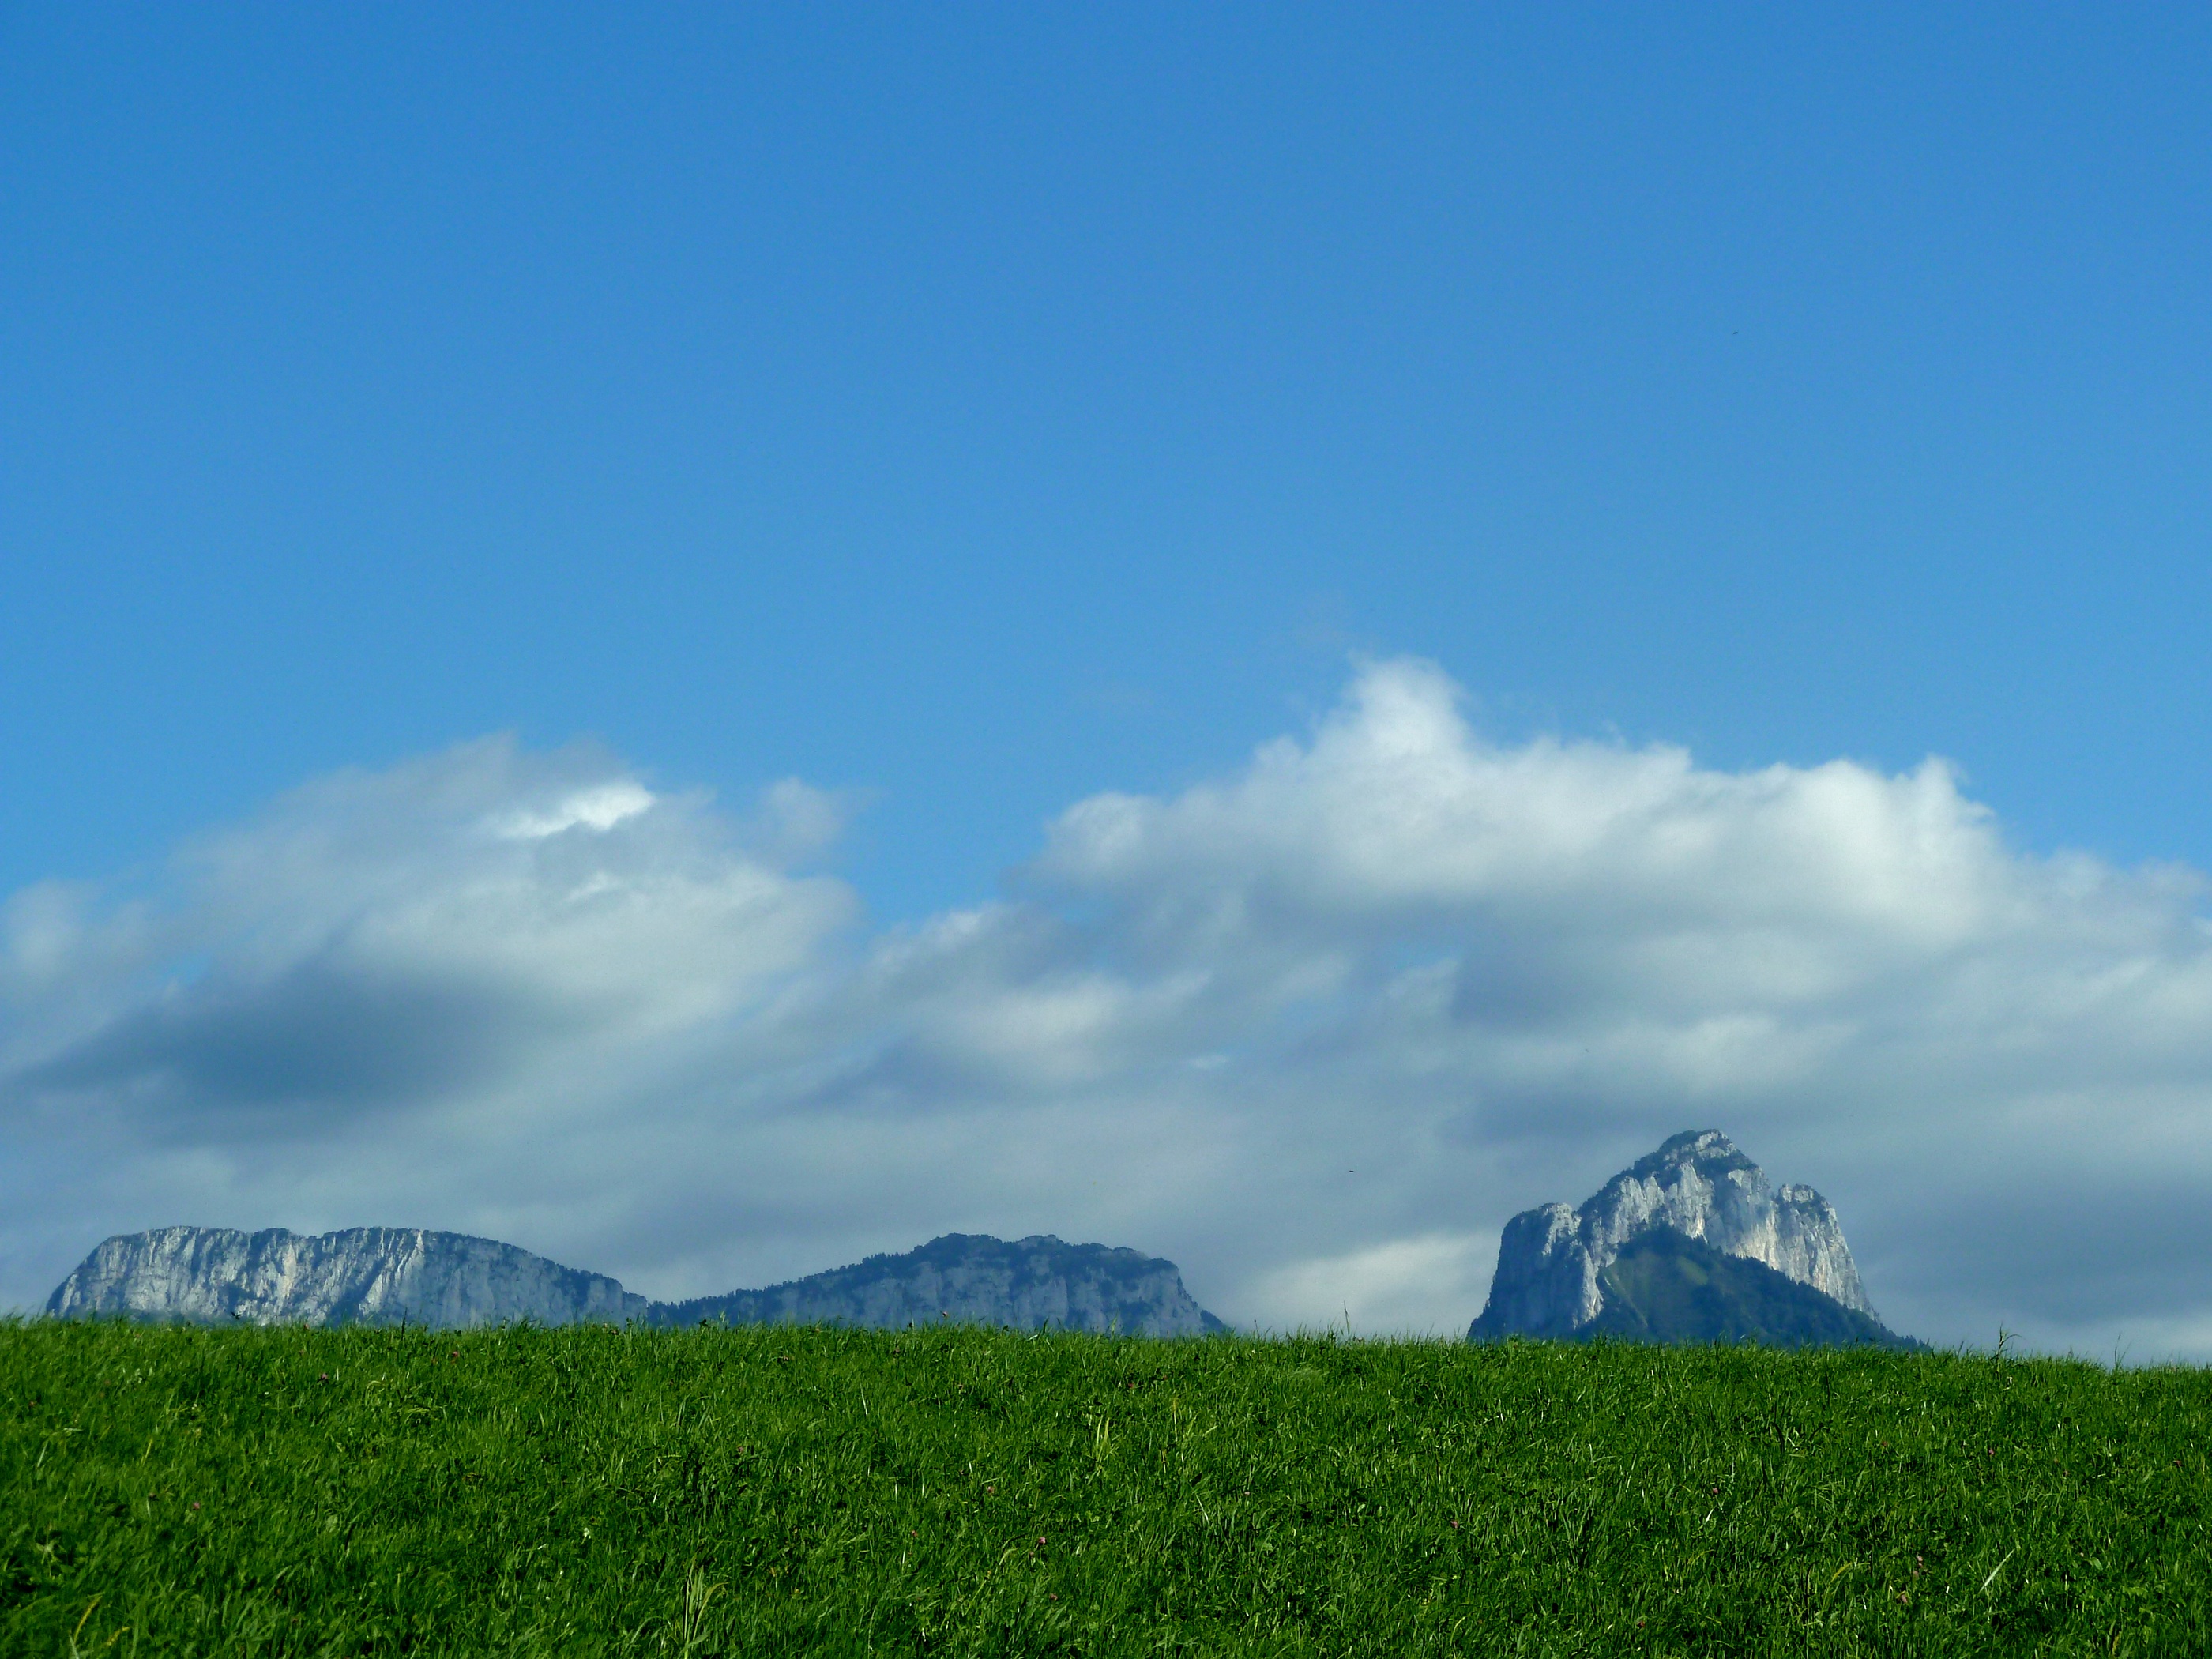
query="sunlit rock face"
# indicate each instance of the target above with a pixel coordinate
(1030, 1284)
(365, 1275)
(389, 1275)
(1698, 1184)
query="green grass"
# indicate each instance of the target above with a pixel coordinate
(779, 1491)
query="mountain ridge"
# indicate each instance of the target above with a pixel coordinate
(383, 1275)
(1044, 1282)
(356, 1275)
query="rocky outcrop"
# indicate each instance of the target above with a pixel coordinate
(1031, 1284)
(1550, 1259)
(391, 1275)
(365, 1275)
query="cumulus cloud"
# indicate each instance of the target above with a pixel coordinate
(1315, 1029)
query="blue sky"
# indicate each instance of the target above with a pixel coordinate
(985, 407)
(974, 411)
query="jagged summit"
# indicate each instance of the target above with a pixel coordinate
(1551, 1261)
(1708, 1148)
(388, 1275)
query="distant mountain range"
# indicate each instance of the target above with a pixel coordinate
(392, 1275)
(1692, 1244)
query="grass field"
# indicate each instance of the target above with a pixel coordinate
(782, 1490)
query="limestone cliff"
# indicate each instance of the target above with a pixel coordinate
(1550, 1259)
(1032, 1284)
(365, 1275)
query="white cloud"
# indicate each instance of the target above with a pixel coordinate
(1310, 1028)
(1396, 1286)
(600, 808)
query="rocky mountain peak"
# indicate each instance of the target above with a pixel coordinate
(1708, 1148)
(1550, 1259)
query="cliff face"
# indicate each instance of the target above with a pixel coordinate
(1550, 1259)
(365, 1275)
(384, 1275)
(1032, 1284)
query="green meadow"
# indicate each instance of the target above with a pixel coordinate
(777, 1490)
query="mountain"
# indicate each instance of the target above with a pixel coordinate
(365, 1275)
(1665, 1286)
(1033, 1284)
(1554, 1262)
(387, 1275)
